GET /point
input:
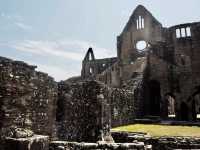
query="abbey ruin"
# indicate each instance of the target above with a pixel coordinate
(164, 74)
(155, 75)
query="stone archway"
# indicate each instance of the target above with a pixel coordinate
(196, 104)
(170, 101)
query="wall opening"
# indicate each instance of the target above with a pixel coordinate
(184, 112)
(188, 32)
(196, 105)
(90, 56)
(171, 105)
(183, 32)
(91, 70)
(141, 46)
(137, 21)
(140, 22)
(154, 97)
(115, 112)
(178, 33)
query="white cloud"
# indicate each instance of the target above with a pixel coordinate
(73, 51)
(23, 26)
(69, 49)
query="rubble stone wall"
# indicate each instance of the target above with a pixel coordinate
(57, 145)
(83, 111)
(158, 143)
(122, 107)
(27, 97)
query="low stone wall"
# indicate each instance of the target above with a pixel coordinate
(61, 145)
(158, 143)
(27, 98)
(83, 112)
(169, 143)
(37, 142)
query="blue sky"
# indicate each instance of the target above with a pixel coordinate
(55, 34)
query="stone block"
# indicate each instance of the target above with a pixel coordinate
(37, 142)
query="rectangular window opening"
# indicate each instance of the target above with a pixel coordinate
(178, 34)
(183, 34)
(143, 23)
(188, 31)
(140, 22)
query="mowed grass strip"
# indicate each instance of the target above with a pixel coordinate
(161, 130)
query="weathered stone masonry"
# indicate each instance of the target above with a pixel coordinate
(83, 112)
(161, 80)
(72, 111)
(28, 98)
(164, 74)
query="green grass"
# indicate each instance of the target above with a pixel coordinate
(161, 130)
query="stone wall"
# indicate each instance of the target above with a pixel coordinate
(168, 62)
(91, 66)
(83, 111)
(122, 107)
(27, 97)
(61, 145)
(37, 142)
(158, 143)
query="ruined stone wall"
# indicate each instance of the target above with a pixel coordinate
(158, 143)
(57, 145)
(28, 98)
(122, 107)
(172, 68)
(141, 26)
(91, 66)
(83, 111)
(110, 76)
(174, 64)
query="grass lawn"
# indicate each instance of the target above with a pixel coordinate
(161, 130)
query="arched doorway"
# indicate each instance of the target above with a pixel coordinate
(154, 97)
(196, 104)
(184, 112)
(170, 100)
